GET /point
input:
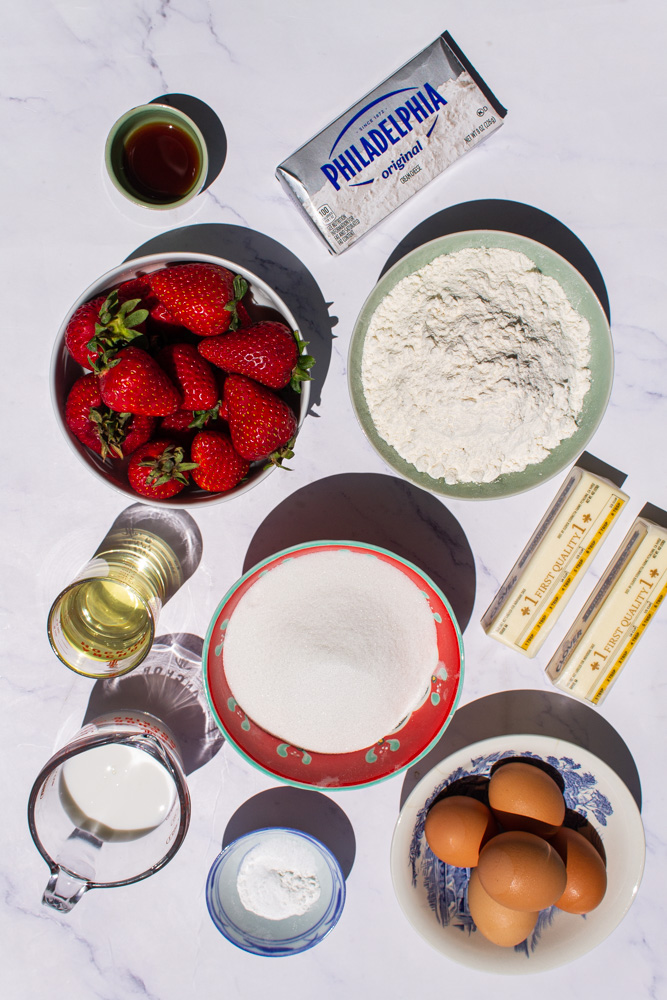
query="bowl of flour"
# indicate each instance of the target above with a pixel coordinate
(333, 664)
(480, 365)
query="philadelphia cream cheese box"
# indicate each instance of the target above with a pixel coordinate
(392, 142)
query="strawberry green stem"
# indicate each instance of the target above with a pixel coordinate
(276, 457)
(167, 466)
(304, 363)
(240, 286)
(117, 327)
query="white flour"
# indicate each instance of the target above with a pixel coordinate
(475, 366)
(278, 878)
(330, 651)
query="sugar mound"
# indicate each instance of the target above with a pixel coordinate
(331, 650)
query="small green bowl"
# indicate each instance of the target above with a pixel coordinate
(128, 125)
(581, 297)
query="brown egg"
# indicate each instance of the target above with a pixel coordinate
(522, 871)
(497, 923)
(575, 821)
(586, 874)
(524, 797)
(457, 827)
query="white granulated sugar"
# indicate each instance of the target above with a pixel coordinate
(331, 650)
(278, 878)
(476, 365)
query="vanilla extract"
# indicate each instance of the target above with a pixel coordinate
(161, 161)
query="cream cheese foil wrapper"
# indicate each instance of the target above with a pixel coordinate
(392, 142)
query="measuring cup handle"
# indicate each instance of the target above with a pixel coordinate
(63, 890)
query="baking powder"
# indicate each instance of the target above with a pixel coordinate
(278, 878)
(476, 365)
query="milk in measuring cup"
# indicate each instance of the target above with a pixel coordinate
(116, 792)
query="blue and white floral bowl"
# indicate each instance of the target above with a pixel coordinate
(433, 895)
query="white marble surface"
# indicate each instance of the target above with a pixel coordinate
(584, 141)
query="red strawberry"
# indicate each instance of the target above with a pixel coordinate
(268, 352)
(177, 422)
(137, 288)
(220, 467)
(191, 374)
(139, 429)
(81, 330)
(160, 315)
(157, 469)
(134, 383)
(82, 398)
(243, 316)
(140, 288)
(177, 427)
(102, 326)
(183, 424)
(202, 297)
(261, 424)
(103, 430)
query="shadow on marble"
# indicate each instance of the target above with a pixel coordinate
(299, 809)
(381, 510)
(545, 713)
(208, 124)
(169, 685)
(509, 217)
(277, 266)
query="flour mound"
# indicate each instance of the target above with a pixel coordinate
(476, 365)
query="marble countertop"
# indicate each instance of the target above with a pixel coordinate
(582, 150)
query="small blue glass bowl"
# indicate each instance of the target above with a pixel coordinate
(274, 938)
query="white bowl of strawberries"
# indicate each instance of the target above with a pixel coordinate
(180, 379)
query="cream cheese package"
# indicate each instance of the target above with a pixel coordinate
(551, 566)
(614, 618)
(396, 139)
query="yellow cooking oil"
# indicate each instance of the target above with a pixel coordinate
(109, 614)
(105, 619)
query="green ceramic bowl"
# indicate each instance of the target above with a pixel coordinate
(580, 296)
(186, 143)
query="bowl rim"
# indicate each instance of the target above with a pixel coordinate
(146, 264)
(339, 885)
(435, 248)
(314, 545)
(188, 123)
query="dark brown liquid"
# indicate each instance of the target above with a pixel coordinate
(161, 162)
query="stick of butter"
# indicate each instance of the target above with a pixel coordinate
(597, 647)
(551, 566)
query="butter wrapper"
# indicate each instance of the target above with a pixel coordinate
(615, 617)
(392, 142)
(551, 566)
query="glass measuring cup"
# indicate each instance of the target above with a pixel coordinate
(110, 808)
(103, 624)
